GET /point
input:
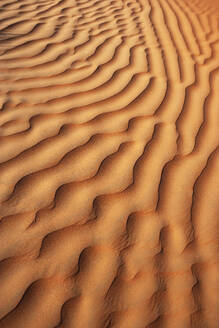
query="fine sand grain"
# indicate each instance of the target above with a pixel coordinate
(109, 164)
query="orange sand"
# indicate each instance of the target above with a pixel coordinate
(109, 164)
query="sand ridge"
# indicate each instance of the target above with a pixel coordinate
(109, 163)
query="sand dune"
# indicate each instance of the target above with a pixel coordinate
(109, 164)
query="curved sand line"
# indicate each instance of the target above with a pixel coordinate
(109, 163)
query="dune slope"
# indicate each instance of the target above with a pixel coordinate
(109, 164)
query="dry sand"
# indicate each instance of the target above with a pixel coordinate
(109, 173)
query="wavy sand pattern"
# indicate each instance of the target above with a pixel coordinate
(109, 166)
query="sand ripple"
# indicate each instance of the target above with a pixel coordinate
(109, 163)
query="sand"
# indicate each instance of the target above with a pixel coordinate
(109, 164)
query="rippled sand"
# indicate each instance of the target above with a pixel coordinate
(109, 164)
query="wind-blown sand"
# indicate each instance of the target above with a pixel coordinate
(109, 174)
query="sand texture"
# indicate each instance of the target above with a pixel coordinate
(109, 164)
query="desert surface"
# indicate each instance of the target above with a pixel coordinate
(109, 164)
